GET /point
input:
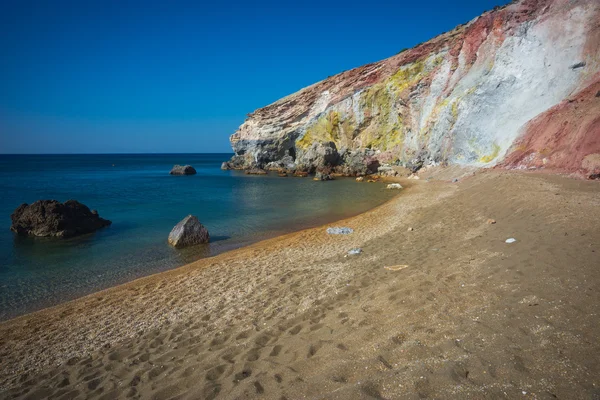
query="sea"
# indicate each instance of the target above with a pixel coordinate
(144, 202)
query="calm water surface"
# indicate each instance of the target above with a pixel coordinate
(144, 202)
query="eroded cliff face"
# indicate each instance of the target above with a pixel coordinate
(517, 87)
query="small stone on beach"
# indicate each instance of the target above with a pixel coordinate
(411, 229)
(491, 221)
(394, 186)
(511, 240)
(339, 231)
(355, 251)
(396, 267)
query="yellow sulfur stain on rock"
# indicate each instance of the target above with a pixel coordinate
(487, 158)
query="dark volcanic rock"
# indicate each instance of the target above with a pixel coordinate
(322, 176)
(183, 170)
(188, 232)
(52, 218)
(318, 156)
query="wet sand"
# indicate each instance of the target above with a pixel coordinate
(292, 317)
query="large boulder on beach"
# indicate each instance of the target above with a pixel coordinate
(53, 218)
(188, 232)
(183, 170)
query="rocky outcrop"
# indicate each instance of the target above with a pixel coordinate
(188, 232)
(53, 218)
(511, 88)
(183, 170)
(322, 176)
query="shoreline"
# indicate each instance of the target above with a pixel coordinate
(253, 295)
(245, 244)
(220, 248)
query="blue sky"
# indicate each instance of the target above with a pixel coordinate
(122, 76)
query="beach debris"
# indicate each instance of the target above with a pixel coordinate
(339, 231)
(53, 218)
(183, 170)
(255, 171)
(353, 252)
(396, 267)
(394, 186)
(510, 240)
(491, 221)
(530, 300)
(360, 179)
(410, 229)
(188, 232)
(454, 180)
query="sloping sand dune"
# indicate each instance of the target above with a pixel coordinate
(292, 317)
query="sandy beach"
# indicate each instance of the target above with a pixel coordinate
(468, 317)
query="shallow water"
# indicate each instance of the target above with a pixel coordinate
(144, 202)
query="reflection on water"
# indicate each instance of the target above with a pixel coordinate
(145, 202)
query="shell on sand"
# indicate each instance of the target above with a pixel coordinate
(396, 267)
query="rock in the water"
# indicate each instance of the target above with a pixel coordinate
(301, 174)
(53, 218)
(339, 231)
(255, 171)
(183, 170)
(394, 186)
(360, 179)
(188, 232)
(321, 176)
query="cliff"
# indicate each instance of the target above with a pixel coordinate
(517, 87)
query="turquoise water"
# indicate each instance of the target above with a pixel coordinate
(144, 202)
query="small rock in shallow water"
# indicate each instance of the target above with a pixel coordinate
(354, 251)
(183, 170)
(188, 232)
(339, 231)
(255, 171)
(360, 179)
(320, 176)
(394, 186)
(511, 240)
